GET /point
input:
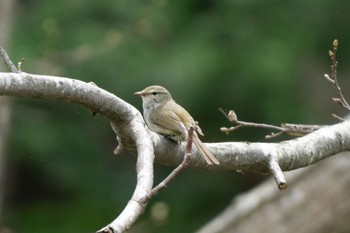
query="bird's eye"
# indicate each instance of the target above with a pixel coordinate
(154, 93)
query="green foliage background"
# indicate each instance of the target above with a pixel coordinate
(264, 59)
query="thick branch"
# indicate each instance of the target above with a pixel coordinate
(255, 157)
(240, 156)
(126, 120)
(130, 127)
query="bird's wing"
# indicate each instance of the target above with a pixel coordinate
(188, 120)
(169, 123)
(182, 114)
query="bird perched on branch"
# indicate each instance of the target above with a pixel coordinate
(164, 116)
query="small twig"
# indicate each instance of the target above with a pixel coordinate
(19, 65)
(277, 174)
(178, 169)
(333, 79)
(338, 117)
(8, 61)
(232, 117)
(285, 128)
(298, 130)
(274, 135)
(120, 148)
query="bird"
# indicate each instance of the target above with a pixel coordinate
(165, 117)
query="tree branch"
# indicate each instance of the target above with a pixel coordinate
(7, 60)
(130, 128)
(126, 121)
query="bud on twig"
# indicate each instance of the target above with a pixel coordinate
(335, 44)
(232, 116)
(328, 78)
(337, 100)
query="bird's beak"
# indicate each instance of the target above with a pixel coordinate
(139, 93)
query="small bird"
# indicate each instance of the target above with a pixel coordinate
(164, 116)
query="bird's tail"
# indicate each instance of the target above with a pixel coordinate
(207, 155)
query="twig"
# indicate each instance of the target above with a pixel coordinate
(8, 61)
(19, 65)
(298, 130)
(334, 80)
(277, 174)
(285, 128)
(232, 117)
(338, 117)
(120, 148)
(178, 169)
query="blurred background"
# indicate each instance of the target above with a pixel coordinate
(265, 60)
